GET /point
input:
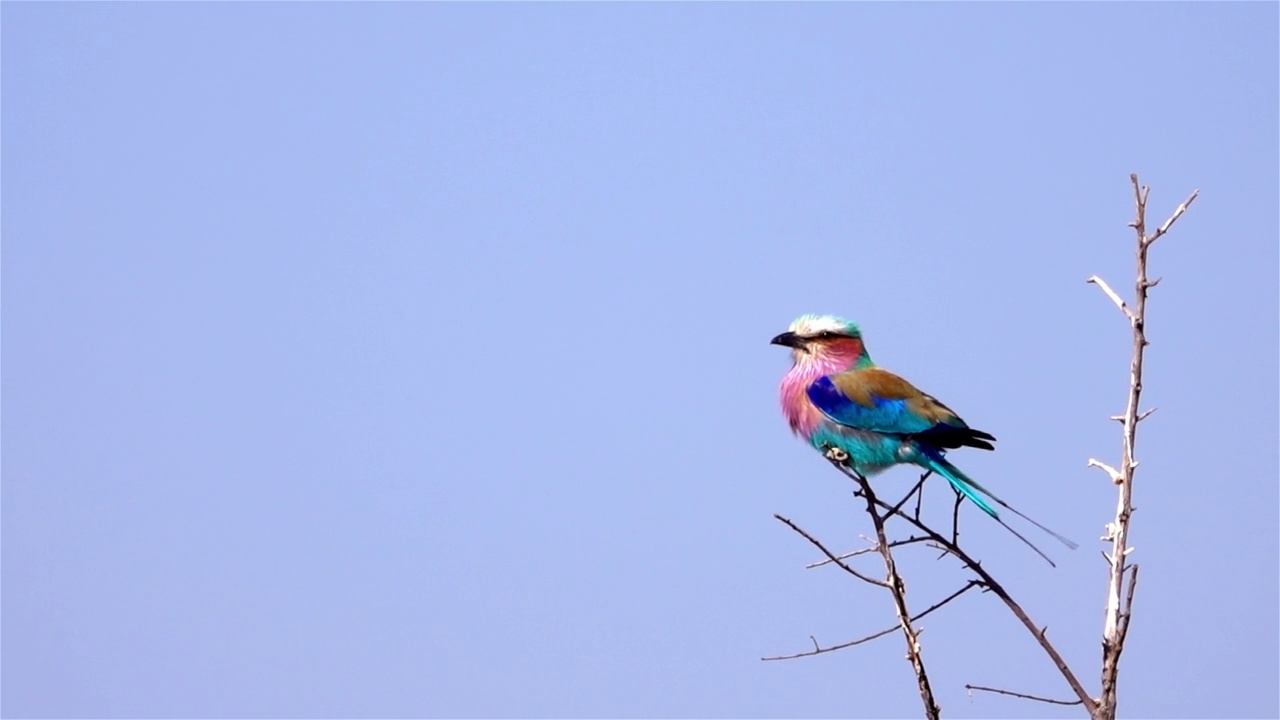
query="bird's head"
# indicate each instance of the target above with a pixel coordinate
(826, 338)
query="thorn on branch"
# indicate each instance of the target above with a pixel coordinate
(1141, 416)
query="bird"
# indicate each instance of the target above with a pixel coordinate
(839, 401)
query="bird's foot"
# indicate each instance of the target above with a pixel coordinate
(837, 455)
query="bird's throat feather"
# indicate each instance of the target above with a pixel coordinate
(802, 415)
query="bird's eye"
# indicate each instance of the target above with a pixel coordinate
(826, 334)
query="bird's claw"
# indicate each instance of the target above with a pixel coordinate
(837, 454)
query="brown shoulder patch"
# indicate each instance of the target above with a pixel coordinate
(860, 385)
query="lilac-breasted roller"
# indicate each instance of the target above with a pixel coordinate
(836, 398)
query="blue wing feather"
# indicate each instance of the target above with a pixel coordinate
(883, 415)
(871, 429)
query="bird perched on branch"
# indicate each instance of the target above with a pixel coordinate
(836, 398)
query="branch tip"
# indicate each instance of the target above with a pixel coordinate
(1023, 696)
(830, 555)
(1110, 471)
(1106, 289)
(1164, 228)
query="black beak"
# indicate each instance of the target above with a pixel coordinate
(788, 339)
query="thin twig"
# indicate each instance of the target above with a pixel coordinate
(955, 517)
(914, 489)
(845, 556)
(819, 650)
(1024, 696)
(844, 566)
(1168, 223)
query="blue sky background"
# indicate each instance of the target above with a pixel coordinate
(412, 359)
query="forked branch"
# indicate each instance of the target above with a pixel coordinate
(896, 587)
(990, 583)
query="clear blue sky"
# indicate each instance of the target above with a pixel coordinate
(412, 359)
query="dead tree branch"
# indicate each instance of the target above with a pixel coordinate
(896, 587)
(994, 586)
(893, 582)
(1119, 603)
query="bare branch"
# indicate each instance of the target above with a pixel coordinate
(1024, 696)
(897, 588)
(1119, 600)
(1102, 285)
(991, 584)
(1112, 472)
(1169, 223)
(830, 555)
(819, 650)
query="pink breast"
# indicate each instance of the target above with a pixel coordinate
(802, 415)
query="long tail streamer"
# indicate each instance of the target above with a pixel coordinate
(966, 486)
